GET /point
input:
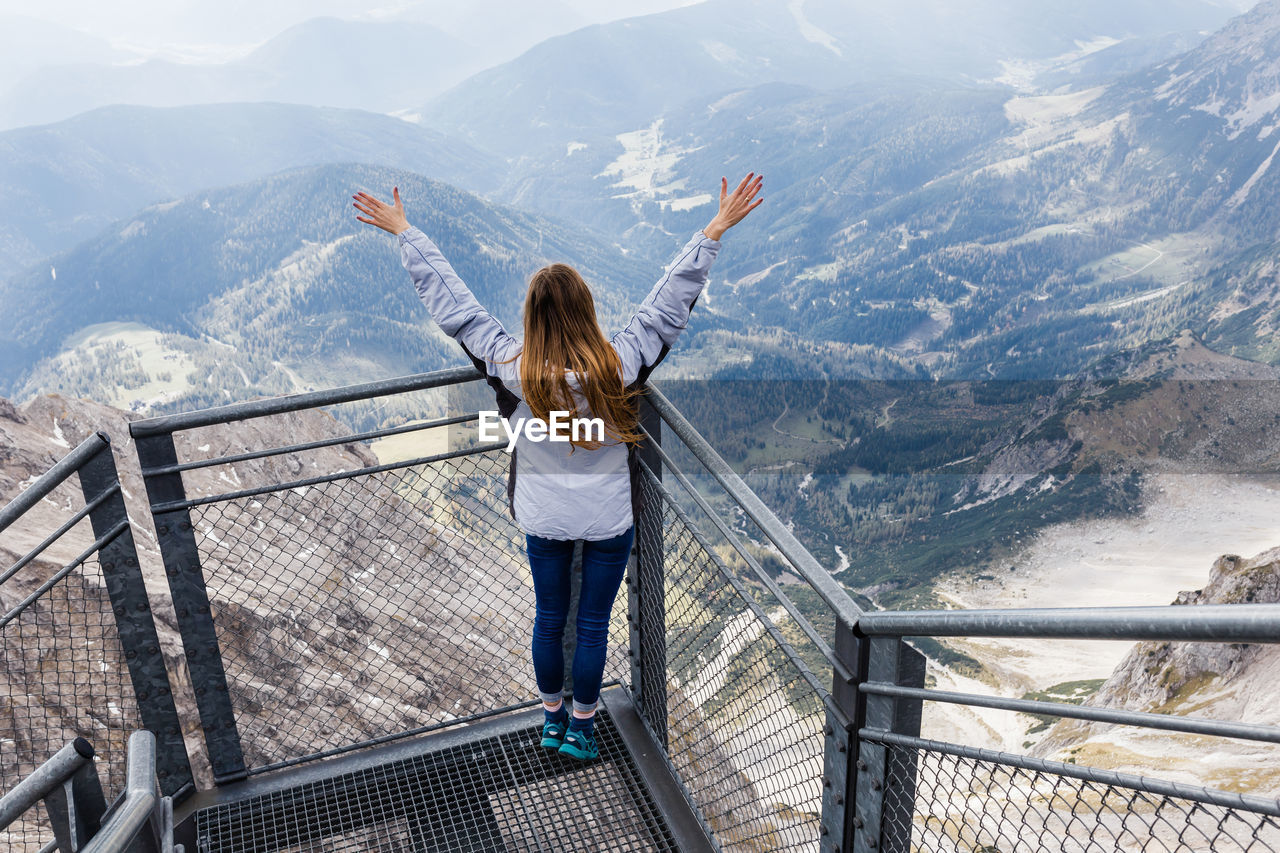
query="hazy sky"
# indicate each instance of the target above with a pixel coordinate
(220, 28)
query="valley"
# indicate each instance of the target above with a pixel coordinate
(1188, 521)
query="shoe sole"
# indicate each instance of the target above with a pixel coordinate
(580, 755)
(552, 743)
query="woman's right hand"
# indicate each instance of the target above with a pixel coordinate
(385, 216)
(734, 206)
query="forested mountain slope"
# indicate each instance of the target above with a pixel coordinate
(272, 283)
(976, 232)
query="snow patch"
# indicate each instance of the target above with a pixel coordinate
(644, 170)
(133, 229)
(687, 203)
(726, 101)
(720, 52)
(756, 277)
(1253, 110)
(1039, 109)
(1021, 74)
(410, 115)
(1165, 90)
(811, 32)
(1144, 297)
(1241, 194)
(58, 438)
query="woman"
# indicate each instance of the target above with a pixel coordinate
(582, 489)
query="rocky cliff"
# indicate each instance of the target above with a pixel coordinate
(341, 608)
(1237, 682)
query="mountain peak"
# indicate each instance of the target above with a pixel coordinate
(1234, 75)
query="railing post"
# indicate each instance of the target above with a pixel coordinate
(884, 803)
(135, 624)
(177, 541)
(77, 805)
(646, 597)
(840, 742)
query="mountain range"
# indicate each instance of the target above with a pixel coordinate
(66, 181)
(962, 229)
(275, 278)
(322, 62)
(619, 76)
(977, 231)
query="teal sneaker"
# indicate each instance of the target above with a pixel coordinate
(553, 734)
(580, 746)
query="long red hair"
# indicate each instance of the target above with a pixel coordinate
(562, 336)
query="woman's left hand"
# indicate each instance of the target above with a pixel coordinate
(735, 206)
(388, 217)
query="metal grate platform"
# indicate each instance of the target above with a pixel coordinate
(500, 793)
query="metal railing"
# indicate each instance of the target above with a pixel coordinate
(67, 785)
(361, 604)
(68, 788)
(140, 820)
(331, 612)
(883, 787)
(81, 656)
(329, 601)
(983, 799)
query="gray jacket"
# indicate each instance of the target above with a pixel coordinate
(553, 492)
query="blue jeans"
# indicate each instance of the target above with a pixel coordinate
(603, 565)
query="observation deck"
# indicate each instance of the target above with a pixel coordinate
(323, 646)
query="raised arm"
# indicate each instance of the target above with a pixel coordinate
(450, 302)
(664, 313)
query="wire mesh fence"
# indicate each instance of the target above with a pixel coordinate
(63, 675)
(968, 804)
(372, 606)
(744, 727)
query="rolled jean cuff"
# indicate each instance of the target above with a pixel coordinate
(582, 709)
(550, 698)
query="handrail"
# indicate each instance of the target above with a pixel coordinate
(309, 445)
(45, 779)
(1221, 623)
(173, 506)
(51, 479)
(296, 402)
(1112, 716)
(61, 573)
(136, 807)
(805, 564)
(76, 518)
(1179, 790)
